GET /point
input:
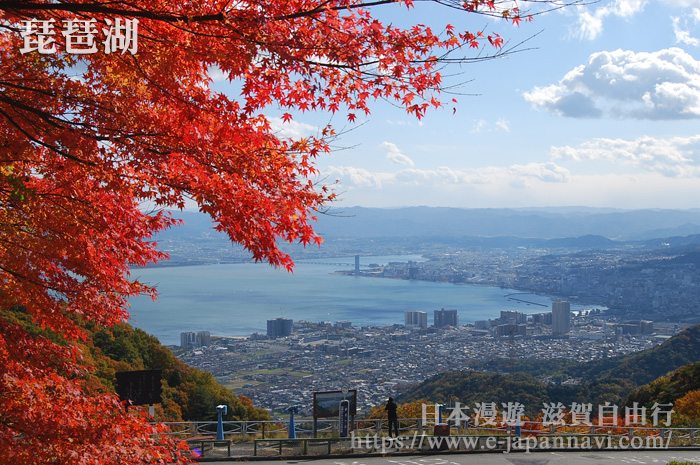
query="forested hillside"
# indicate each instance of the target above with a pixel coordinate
(611, 379)
(680, 387)
(189, 394)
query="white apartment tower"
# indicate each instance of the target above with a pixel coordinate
(416, 319)
(188, 339)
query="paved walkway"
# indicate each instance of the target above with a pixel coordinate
(498, 458)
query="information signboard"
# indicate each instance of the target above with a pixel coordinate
(327, 403)
(140, 387)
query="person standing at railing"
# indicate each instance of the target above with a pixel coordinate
(393, 416)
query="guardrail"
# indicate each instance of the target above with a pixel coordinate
(243, 431)
(263, 429)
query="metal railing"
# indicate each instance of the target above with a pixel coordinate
(242, 431)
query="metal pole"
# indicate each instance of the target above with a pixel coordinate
(292, 426)
(221, 410)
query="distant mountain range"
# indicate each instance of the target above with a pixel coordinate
(522, 223)
(546, 223)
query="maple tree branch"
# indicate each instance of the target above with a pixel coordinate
(20, 246)
(101, 8)
(42, 143)
(222, 17)
(77, 101)
(59, 123)
(321, 7)
(554, 5)
(10, 424)
(55, 121)
(455, 4)
(23, 278)
(62, 290)
(48, 117)
(158, 86)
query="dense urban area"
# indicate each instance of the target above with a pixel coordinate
(638, 296)
(378, 362)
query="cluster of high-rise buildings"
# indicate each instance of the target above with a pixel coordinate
(192, 339)
(514, 323)
(441, 318)
(279, 327)
(510, 323)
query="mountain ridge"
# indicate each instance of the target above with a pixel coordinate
(363, 222)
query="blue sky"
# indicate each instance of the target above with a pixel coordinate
(601, 111)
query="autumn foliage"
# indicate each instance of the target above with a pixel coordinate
(94, 145)
(689, 405)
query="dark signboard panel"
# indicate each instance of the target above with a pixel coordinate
(140, 387)
(327, 404)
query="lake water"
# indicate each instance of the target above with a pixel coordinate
(238, 299)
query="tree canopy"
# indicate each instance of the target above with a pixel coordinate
(108, 116)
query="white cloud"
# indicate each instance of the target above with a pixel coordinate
(545, 172)
(480, 126)
(590, 23)
(589, 26)
(394, 155)
(484, 126)
(677, 157)
(683, 35)
(216, 75)
(438, 176)
(403, 122)
(625, 84)
(350, 176)
(503, 125)
(643, 190)
(682, 3)
(444, 177)
(291, 129)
